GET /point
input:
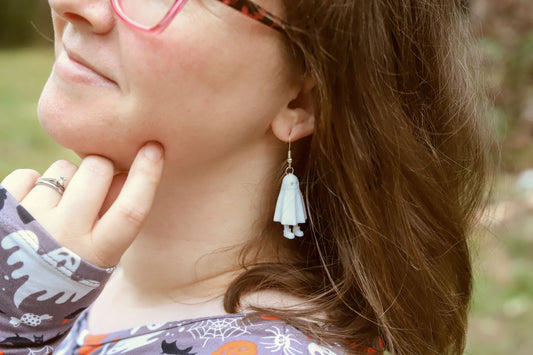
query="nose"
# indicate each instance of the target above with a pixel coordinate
(92, 15)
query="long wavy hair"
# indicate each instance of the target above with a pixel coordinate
(395, 175)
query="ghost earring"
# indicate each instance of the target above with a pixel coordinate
(290, 207)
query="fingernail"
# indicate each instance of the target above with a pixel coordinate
(153, 151)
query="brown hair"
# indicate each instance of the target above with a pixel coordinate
(395, 175)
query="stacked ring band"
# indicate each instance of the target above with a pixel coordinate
(56, 184)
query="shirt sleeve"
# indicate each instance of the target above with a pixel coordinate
(43, 285)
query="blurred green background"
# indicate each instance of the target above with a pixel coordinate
(26, 56)
(501, 319)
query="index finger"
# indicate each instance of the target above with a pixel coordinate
(119, 226)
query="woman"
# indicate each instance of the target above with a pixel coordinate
(376, 102)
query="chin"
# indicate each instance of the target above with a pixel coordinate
(85, 131)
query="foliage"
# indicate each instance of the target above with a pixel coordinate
(24, 22)
(505, 28)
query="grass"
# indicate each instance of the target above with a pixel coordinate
(502, 310)
(23, 143)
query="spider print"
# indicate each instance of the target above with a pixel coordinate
(280, 341)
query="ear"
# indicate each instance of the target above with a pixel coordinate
(297, 119)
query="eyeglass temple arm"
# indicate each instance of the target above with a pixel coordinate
(258, 13)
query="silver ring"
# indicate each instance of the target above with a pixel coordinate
(56, 184)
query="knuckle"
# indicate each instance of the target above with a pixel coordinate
(132, 213)
(22, 175)
(148, 171)
(97, 165)
(26, 174)
(62, 165)
(147, 176)
(101, 258)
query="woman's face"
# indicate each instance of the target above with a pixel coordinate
(210, 84)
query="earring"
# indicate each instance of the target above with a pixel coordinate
(290, 207)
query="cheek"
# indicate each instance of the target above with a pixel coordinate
(90, 123)
(206, 98)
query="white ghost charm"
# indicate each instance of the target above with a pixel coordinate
(290, 208)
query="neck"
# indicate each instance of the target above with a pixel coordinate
(189, 247)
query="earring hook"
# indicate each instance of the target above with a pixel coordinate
(289, 169)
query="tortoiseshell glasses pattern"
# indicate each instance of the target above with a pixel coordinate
(134, 12)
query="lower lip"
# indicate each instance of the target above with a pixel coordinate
(72, 71)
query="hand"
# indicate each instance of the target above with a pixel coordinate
(99, 215)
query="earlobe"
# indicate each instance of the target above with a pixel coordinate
(300, 124)
(297, 119)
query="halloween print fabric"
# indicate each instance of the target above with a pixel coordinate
(43, 286)
(45, 291)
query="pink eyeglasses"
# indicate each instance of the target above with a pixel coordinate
(155, 15)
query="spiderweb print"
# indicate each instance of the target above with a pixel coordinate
(218, 329)
(44, 351)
